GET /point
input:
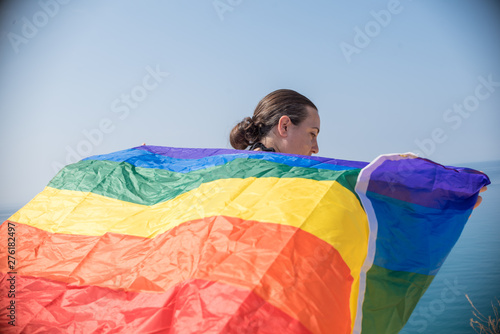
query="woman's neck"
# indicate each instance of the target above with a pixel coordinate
(269, 142)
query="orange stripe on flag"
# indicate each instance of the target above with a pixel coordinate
(291, 269)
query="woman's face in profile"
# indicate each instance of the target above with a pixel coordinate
(302, 138)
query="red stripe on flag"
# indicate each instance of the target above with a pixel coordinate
(193, 306)
(291, 269)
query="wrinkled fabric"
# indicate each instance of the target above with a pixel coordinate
(160, 239)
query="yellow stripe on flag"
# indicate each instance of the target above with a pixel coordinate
(323, 208)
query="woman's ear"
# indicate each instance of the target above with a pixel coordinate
(284, 125)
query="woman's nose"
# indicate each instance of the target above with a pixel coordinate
(315, 148)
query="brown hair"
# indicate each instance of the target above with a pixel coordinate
(267, 114)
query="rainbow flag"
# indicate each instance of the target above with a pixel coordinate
(159, 239)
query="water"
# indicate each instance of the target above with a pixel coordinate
(472, 268)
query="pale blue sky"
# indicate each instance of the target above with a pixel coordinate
(68, 76)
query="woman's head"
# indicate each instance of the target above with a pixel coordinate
(285, 120)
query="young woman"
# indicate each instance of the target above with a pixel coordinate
(283, 121)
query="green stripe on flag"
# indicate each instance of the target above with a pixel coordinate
(390, 298)
(148, 186)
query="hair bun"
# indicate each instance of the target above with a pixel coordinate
(248, 120)
(245, 133)
(251, 130)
